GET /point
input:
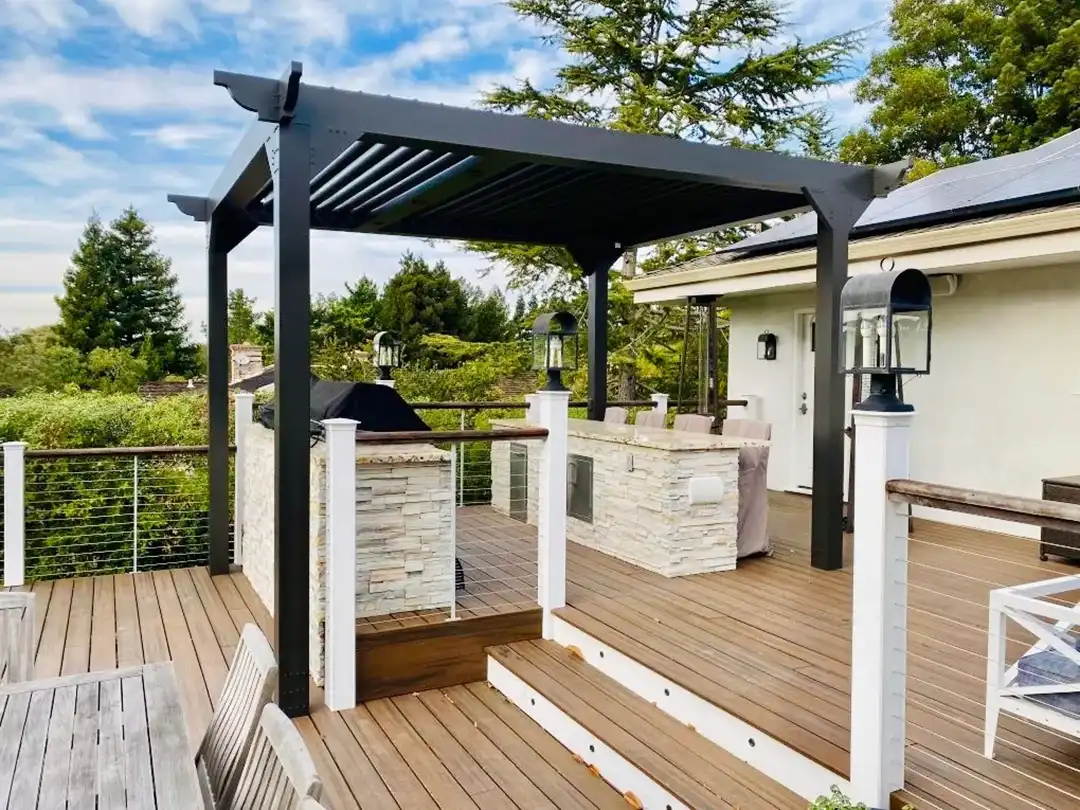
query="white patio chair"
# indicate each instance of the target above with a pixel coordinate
(279, 773)
(16, 637)
(248, 688)
(693, 422)
(1043, 686)
(309, 803)
(615, 416)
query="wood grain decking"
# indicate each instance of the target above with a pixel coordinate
(769, 642)
(461, 748)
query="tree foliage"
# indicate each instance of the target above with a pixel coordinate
(968, 80)
(423, 299)
(243, 321)
(708, 70)
(120, 293)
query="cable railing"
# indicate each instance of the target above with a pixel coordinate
(95, 511)
(993, 649)
(488, 550)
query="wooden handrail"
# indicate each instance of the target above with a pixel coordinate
(431, 436)
(180, 450)
(1032, 511)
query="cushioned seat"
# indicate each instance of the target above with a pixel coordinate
(1049, 667)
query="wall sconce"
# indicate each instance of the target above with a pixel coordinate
(766, 346)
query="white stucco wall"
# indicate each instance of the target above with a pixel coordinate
(1000, 410)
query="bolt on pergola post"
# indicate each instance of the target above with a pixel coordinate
(320, 158)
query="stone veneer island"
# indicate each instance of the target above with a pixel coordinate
(404, 530)
(664, 500)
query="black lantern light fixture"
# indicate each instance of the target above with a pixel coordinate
(387, 354)
(766, 346)
(885, 332)
(555, 346)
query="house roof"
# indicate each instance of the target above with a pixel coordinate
(1037, 178)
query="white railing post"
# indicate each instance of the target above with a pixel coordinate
(135, 515)
(243, 404)
(661, 403)
(340, 646)
(530, 409)
(14, 514)
(553, 413)
(387, 383)
(879, 609)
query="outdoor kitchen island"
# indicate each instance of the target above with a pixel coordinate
(664, 500)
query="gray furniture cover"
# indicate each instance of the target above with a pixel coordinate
(693, 422)
(649, 419)
(753, 491)
(615, 416)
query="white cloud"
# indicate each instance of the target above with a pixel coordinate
(151, 18)
(40, 16)
(184, 136)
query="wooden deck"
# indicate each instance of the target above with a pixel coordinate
(454, 749)
(769, 642)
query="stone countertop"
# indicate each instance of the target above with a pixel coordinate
(368, 453)
(657, 438)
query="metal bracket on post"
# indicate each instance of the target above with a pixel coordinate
(14, 514)
(879, 609)
(553, 409)
(340, 635)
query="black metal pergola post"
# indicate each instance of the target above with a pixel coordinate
(320, 158)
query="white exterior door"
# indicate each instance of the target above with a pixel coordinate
(803, 449)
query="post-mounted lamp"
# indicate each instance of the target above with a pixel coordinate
(766, 346)
(555, 346)
(885, 330)
(387, 356)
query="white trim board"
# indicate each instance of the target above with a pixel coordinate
(798, 773)
(617, 771)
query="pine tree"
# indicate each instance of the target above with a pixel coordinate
(120, 293)
(242, 318)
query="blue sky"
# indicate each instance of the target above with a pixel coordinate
(110, 102)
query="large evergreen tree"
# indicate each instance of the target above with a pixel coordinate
(970, 79)
(706, 70)
(120, 293)
(423, 299)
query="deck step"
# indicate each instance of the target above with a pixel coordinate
(653, 759)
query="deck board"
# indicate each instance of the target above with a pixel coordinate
(769, 642)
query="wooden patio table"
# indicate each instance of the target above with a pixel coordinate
(101, 740)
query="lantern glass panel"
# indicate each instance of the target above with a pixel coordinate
(862, 334)
(540, 352)
(911, 342)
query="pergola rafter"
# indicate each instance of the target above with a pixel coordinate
(320, 158)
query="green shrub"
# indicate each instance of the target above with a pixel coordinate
(80, 511)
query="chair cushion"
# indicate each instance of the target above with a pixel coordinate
(1051, 667)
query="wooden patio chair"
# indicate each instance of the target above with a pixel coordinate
(616, 416)
(693, 422)
(279, 773)
(16, 637)
(248, 688)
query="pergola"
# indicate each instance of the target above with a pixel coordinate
(320, 158)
